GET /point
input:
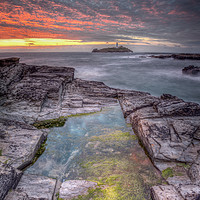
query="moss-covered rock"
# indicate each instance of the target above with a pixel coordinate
(167, 173)
(117, 136)
(50, 123)
(40, 151)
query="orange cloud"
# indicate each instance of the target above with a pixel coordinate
(41, 22)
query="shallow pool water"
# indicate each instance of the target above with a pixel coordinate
(99, 147)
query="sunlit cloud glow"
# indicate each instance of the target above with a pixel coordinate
(30, 23)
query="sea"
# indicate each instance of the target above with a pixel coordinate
(134, 71)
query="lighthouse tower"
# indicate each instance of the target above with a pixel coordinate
(116, 44)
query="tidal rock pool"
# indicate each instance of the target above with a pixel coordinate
(102, 148)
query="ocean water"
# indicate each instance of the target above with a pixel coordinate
(126, 71)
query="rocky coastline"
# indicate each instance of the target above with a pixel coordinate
(168, 128)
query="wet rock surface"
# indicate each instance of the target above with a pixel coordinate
(191, 70)
(168, 127)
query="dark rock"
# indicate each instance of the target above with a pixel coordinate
(186, 56)
(161, 56)
(191, 70)
(172, 106)
(9, 178)
(8, 61)
(179, 56)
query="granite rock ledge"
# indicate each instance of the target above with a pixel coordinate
(168, 127)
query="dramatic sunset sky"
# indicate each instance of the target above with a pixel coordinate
(80, 25)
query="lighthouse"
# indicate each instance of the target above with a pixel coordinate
(116, 44)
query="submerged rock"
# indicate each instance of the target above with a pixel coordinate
(73, 188)
(191, 70)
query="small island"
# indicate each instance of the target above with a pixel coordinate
(120, 49)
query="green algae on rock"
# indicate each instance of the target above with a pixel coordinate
(166, 173)
(50, 123)
(40, 151)
(119, 172)
(116, 135)
(57, 122)
(117, 179)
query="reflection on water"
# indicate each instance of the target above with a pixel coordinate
(99, 147)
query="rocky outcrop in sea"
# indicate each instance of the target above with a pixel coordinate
(191, 70)
(168, 128)
(179, 56)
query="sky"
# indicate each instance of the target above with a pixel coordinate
(81, 25)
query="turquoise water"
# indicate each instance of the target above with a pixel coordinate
(65, 144)
(98, 147)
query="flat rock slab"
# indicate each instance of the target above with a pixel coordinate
(73, 188)
(9, 178)
(33, 187)
(19, 142)
(165, 192)
(14, 195)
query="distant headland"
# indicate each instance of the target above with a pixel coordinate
(120, 49)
